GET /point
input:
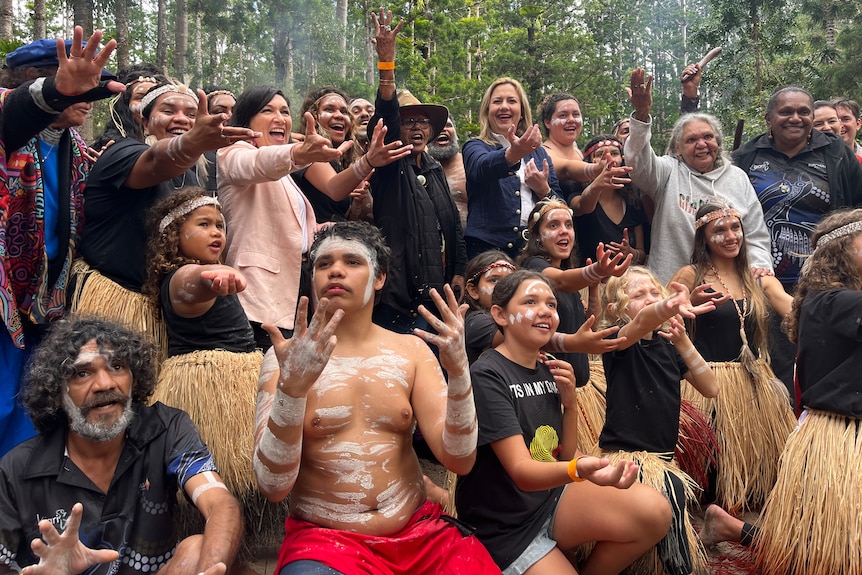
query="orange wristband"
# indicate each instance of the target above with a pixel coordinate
(573, 469)
(386, 65)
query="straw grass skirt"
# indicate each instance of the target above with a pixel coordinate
(95, 294)
(592, 406)
(812, 523)
(752, 418)
(218, 390)
(652, 473)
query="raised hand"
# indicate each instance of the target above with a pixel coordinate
(65, 554)
(316, 148)
(536, 179)
(82, 69)
(610, 263)
(385, 34)
(526, 144)
(640, 93)
(449, 338)
(380, 154)
(302, 358)
(675, 331)
(209, 131)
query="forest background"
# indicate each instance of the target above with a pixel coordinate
(451, 50)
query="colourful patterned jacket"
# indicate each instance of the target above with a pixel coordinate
(28, 286)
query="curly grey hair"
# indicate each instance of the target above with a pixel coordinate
(721, 158)
(53, 362)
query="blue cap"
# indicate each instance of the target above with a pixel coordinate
(43, 53)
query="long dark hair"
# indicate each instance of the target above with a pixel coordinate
(533, 236)
(253, 101)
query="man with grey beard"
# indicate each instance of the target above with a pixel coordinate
(105, 468)
(446, 150)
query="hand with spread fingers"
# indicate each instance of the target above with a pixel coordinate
(380, 154)
(449, 338)
(316, 148)
(302, 358)
(640, 93)
(81, 71)
(65, 554)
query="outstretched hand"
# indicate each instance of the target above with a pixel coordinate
(525, 144)
(610, 263)
(680, 302)
(225, 280)
(302, 358)
(589, 341)
(65, 554)
(81, 70)
(675, 331)
(380, 154)
(209, 131)
(316, 148)
(700, 295)
(449, 338)
(601, 472)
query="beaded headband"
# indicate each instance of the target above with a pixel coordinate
(546, 206)
(215, 93)
(139, 79)
(156, 92)
(601, 144)
(722, 213)
(845, 230)
(498, 264)
(187, 208)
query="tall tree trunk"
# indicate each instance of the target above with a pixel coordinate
(82, 11)
(758, 62)
(7, 14)
(181, 40)
(121, 16)
(282, 55)
(162, 36)
(40, 20)
(368, 27)
(199, 48)
(341, 17)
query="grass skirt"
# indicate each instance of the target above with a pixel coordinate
(811, 523)
(218, 389)
(752, 418)
(652, 472)
(94, 294)
(591, 409)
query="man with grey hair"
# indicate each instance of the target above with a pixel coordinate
(694, 172)
(446, 149)
(105, 467)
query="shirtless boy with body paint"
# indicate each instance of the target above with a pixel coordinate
(336, 410)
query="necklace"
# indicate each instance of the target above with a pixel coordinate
(742, 313)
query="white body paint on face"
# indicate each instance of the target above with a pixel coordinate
(537, 286)
(496, 265)
(330, 245)
(638, 282)
(85, 357)
(529, 314)
(739, 235)
(717, 238)
(486, 289)
(558, 121)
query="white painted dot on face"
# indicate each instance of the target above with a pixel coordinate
(717, 238)
(495, 266)
(511, 318)
(486, 289)
(529, 314)
(638, 282)
(739, 235)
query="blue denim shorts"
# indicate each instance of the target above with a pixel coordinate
(542, 544)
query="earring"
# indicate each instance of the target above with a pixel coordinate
(770, 136)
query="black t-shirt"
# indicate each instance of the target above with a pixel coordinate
(829, 364)
(223, 326)
(479, 331)
(643, 397)
(572, 317)
(510, 400)
(597, 227)
(114, 238)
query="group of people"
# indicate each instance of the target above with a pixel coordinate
(226, 306)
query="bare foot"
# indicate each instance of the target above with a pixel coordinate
(718, 526)
(435, 493)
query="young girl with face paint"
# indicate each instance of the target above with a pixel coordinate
(643, 399)
(526, 494)
(820, 463)
(212, 366)
(752, 416)
(551, 250)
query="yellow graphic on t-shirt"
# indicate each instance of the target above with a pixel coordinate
(544, 444)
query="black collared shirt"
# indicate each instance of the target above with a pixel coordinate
(38, 481)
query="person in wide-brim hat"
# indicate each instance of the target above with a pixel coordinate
(408, 103)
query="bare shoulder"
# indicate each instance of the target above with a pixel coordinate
(685, 276)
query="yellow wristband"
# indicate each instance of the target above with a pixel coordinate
(573, 469)
(386, 65)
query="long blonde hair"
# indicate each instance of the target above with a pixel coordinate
(485, 133)
(615, 298)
